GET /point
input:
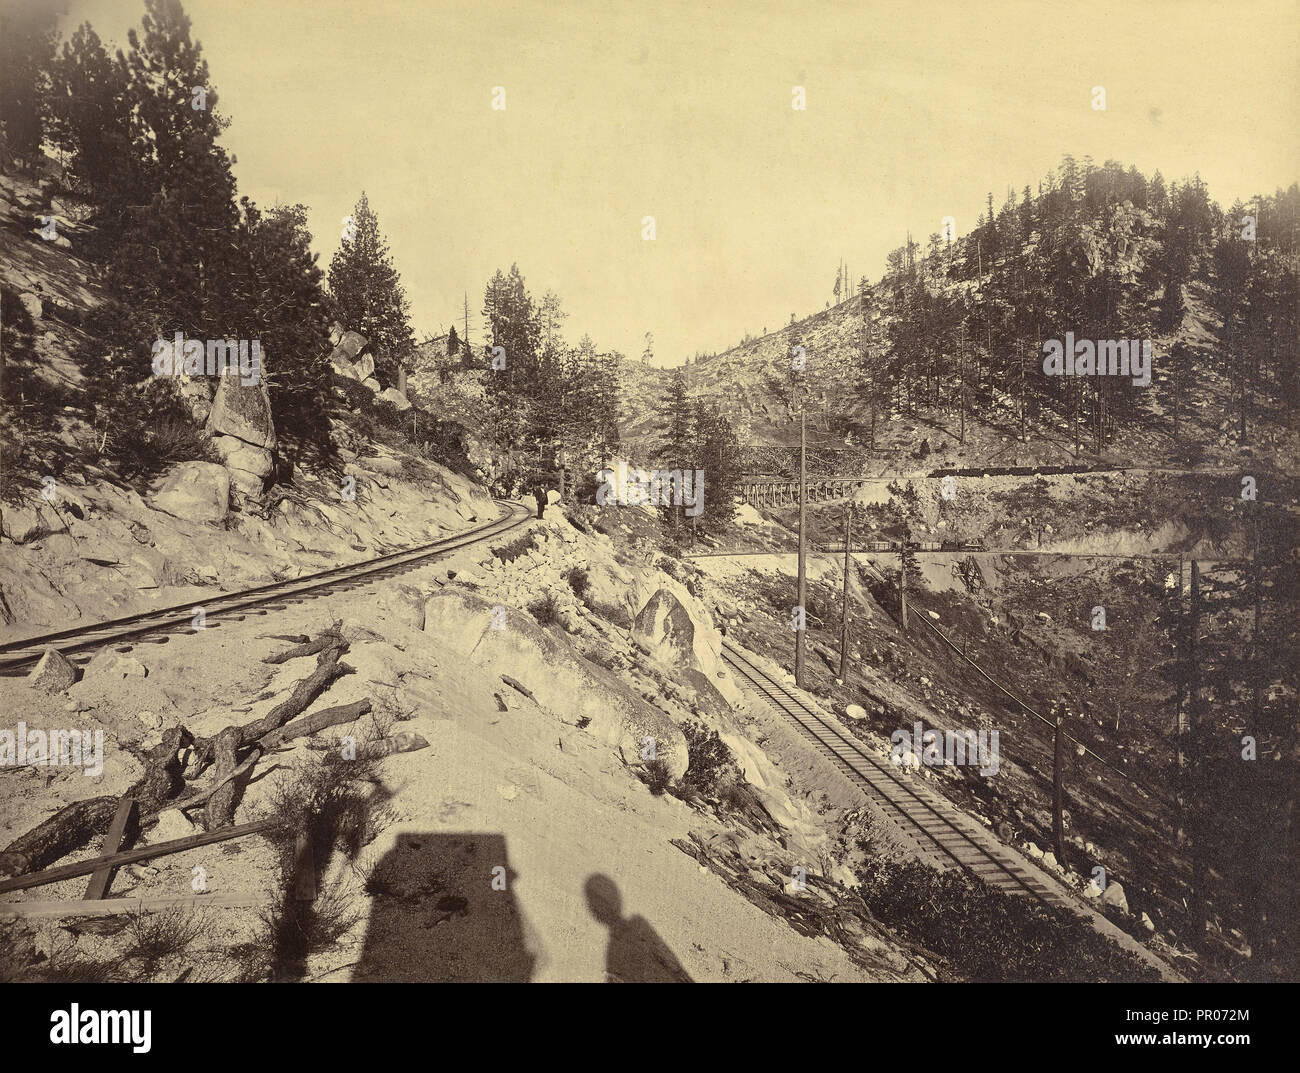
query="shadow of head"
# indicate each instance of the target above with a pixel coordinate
(604, 899)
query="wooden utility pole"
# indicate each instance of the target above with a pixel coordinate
(1058, 787)
(1196, 911)
(844, 613)
(902, 584)
(803, 540)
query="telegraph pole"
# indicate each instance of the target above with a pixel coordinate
(803, 540)
(902, 584)
(844, 615)
(1058, 787)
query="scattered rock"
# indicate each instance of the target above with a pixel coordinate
(392, 395)
(196, 491)
(1114, 895)
(855, 711)
(54, 672)
(32, 303)
(171, 824)
(109, 664)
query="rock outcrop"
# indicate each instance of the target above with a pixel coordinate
(559, 678)
(243, 432)
(197, 491)
(678, 634)
(53, 673)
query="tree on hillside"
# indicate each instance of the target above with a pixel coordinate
(678, 442)
(173, 258)
(92, 124)
(28, 32)
(288, 311)
(368, 293)
(512, 324)
(717, 455)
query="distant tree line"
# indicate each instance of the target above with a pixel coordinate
(1103, 252)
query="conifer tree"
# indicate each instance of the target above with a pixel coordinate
(368, 293)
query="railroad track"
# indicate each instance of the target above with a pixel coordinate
(944, 835)
(151, 627)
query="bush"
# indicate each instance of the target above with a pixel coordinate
(656, 776)
(545, 610)
(969, 923)
(710, 762)
(578, 580)
(517, 548)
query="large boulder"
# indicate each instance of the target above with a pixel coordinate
(681, 637)
(558, 677)
(351, 344)
(198, 491)
(243, 411)
(243, 432)
(391, 394)
(365, 367)
(1114, 895)
(248, 466)
(23, 524)
(53, 673)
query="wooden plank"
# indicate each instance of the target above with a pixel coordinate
(99, 882)
(162, 849)
(105, 907)
(304, 871)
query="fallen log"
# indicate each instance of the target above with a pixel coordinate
(142, 853)
(328, 668)
(317, 721)
(106, 907)
(221, 804)
(309, 648)
(518, 686)
(407, 742)
(344, 713)
(76, 824)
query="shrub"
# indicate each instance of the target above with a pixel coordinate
(517, 548)
(578, 580)
(545, 610)
(656, 776)
(967, 922)
(155, 937)
(709, 760)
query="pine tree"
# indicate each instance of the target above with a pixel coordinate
(368, 293)
(28, 31)
(91, 123)
(288, 311)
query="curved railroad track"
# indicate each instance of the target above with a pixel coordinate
(79, 643)
(943, 834)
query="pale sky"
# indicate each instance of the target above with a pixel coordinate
(682, 111)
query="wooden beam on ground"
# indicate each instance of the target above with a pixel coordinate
(144, 853)
(102, 877)
(304, 871)
(106, 907)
